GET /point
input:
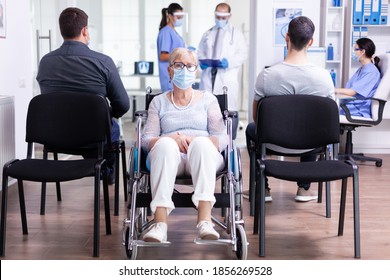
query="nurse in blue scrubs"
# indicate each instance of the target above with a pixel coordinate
(365, 80)
(168, 40)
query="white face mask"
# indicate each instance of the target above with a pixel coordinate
(183, 79)
(178, 23)
(355, 57)
(221, 23)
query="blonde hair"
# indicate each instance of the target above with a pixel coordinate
(180, 52)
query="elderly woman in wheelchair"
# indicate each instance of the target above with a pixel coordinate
(184, 135)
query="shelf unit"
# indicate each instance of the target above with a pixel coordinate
(332, 32)
(379, 34)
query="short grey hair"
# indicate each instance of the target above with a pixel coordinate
(180, 52)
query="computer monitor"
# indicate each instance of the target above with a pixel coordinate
(143, 67)
(316, 55)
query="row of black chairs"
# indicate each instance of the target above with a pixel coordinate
(296, 122)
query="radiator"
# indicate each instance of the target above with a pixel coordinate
(7, 131)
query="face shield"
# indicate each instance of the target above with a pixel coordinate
(221, 19)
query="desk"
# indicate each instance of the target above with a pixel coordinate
(340, 96)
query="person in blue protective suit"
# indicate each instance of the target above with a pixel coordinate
(224, 45)
(365, 80)
(168, 40)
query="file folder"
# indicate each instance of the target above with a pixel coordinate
(357, 17)
(366, 11)
(384, 12)
(355, 34)
(375, 12)
(364, 32)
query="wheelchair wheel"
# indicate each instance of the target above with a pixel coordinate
(242, 243)
(131, 253)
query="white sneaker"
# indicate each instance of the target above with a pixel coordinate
(156, 233)
(305, 195)
(268, 197)
(206, 231)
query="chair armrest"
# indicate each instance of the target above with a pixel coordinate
(141, 113)
(229, 114)
(359, 121)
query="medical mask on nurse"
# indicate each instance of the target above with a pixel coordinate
(178, 23)
(355, 57)
(182, 78)
(220, 23)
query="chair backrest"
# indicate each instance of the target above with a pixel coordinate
(383, 90)
(68, 120)
(297, 121)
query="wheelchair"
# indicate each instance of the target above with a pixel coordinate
(229, 199)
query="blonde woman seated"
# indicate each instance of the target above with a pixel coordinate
(184, 134)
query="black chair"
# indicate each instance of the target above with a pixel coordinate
(302, 122)
(64, 121)
(253, 156)
(349, 123)
(119, 148)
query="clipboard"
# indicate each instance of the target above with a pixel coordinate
(210, 62)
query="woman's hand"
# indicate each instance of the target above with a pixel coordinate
(182, 141)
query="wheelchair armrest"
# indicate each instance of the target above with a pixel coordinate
(229, 114)
(141, 113)
(357, 121)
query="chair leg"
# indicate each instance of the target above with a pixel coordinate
(43, 186)
(43, 190)
(357, 157)
(319, 199)
(4, 201)
(43, 198)
(356, 214)
(96, 220)
(342, 206)
(106, 205)
(328, 200)
(58, 185)
(257, 201)
(262, 213)
(252, 174)
(116, 193)
(22, 206)
(124, 169)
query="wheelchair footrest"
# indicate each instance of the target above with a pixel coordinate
(213, 242)
(183, 200)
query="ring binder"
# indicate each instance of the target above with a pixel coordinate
(357, 12)
(366, 11)
(375, 12)
(384, 12)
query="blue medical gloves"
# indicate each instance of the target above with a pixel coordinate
(191, 48)
(203, 66)
(223, 63)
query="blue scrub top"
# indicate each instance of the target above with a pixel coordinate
(365, 81)
(168, 40)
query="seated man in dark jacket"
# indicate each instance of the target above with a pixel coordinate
(75, 68)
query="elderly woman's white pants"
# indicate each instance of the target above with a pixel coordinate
(202, 161)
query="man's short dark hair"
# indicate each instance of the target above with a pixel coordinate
(72, 21)
(300, 31)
